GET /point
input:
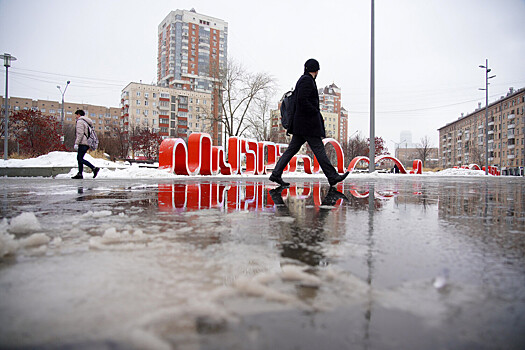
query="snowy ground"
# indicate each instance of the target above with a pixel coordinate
(120, 170)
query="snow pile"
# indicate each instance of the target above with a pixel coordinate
(460, 172)
(57, 159)
(23, 224)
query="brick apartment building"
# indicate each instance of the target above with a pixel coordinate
(170, 112)
(462, 142)
(107, 119)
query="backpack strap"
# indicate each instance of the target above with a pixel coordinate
(89, 128)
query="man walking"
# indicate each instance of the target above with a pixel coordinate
(81, 144)
(307, 126)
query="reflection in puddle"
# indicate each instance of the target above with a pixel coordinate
(255, 196)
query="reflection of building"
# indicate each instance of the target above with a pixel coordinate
(170, 112)
(477, 205)
(107, 119)
(334, 115)
(192, 49)
(462, 142)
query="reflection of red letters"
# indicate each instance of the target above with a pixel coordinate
(240, 197)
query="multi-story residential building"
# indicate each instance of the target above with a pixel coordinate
(106, 119)
(192, 52)
(167, 111)
(462, 142)
(335, 116)
(330, 102)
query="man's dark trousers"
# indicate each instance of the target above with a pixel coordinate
(317, 146)
(82, 150)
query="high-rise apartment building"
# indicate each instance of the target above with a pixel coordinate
(192, 51)
(462, 142)
(335, 116)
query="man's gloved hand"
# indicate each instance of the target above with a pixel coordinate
(76, 147)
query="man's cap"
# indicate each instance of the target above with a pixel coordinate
(311, 65)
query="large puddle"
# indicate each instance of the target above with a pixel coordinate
(399, 262)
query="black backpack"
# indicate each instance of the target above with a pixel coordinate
(288, 109)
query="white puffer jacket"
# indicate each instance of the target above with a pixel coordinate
(82, 130)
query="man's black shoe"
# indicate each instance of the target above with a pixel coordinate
(338, 178)
(333, 196)
(78, 176)
(95, 172)
(276, 195)
(279, 180)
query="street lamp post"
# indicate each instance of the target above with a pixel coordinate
(371, 154)
(62, 116)
(487, 71)
(7, 63)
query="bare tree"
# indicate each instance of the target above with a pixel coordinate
(424, 149)
(240, 91)
(357, 146)
(476, 154)
(259, 118)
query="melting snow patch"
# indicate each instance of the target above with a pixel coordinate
(24, 223)
(34, 240)
(119, 240)
(97, 214)
(8, 244)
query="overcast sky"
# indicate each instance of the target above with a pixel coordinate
(427, 51)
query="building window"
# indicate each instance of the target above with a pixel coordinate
(138, 93)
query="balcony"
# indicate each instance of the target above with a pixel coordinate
(491, 132)
(511, 156)
(511, 146)
(511, 126)
(511, 116)
(510, 135)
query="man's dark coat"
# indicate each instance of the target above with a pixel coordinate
(307, 120)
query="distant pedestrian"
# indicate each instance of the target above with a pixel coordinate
(307, 126)
(395, 169)
(81, 145)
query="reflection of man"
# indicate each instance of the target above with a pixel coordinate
(307, 126)
(302, 241)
